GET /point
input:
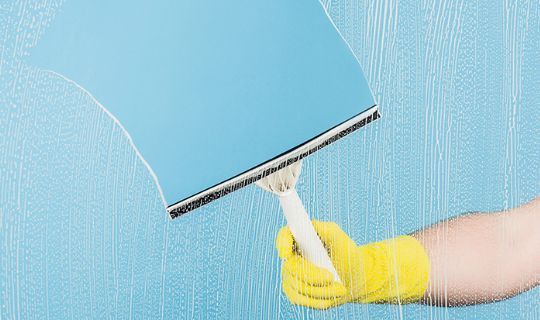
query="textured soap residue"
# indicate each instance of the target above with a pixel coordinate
(83, 232)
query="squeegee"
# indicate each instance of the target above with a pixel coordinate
(215, 95)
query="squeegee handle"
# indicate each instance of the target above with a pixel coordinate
(304, 233)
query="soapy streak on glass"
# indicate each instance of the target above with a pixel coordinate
(82, 227)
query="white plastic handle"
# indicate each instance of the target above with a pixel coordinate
(304, 233)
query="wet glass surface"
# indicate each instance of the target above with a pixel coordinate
(83, 231)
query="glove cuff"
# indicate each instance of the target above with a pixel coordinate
(394, 271)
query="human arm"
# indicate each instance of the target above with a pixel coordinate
(470, 259)
(483, 257)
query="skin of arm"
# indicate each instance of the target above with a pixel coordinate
(483, 257)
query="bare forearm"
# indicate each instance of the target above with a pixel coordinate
(483, 257)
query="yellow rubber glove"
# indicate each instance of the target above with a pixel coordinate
(390, 271)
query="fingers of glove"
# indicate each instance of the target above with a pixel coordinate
(285, 243)
(329, 232)
(332, 291)
(305, 271)
(333, 236)
(302, 300)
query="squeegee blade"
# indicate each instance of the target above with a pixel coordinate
(290, 156)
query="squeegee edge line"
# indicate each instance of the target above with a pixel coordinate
(288, 157)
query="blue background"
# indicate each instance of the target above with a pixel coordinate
(83, 232)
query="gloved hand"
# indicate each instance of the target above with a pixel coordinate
(390, 271)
